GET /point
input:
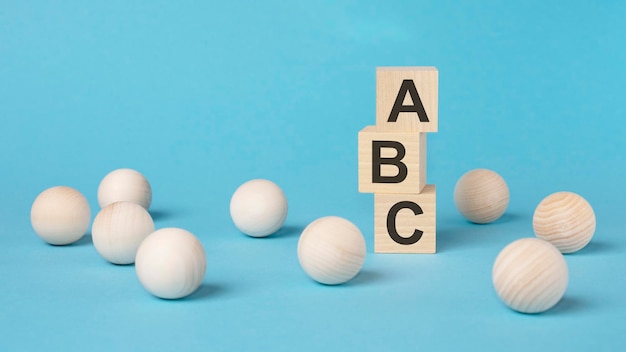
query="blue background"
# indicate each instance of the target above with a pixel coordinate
(203, 96)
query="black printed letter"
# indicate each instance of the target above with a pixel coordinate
(391, 223)
(377, 161)
(417, 107)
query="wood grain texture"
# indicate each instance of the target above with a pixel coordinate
(415, 160)
(530, 275)
(119, 229)
(60, 215)
(258, 208)
(481, 196)
(566, 220)
(331, 250)
(388, 83)
(406, 222)
(125, 185)
(171, 263)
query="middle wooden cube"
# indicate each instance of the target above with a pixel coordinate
(391, 162)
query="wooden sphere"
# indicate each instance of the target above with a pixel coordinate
(258, 208)
(481, 196)
(331, 250)
(119, 229)
(60, 215)
(171, 263)
(125, 185)
(566, 220)
(530, 275)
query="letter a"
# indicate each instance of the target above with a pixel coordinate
(408, 87)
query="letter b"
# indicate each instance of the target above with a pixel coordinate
(391, 162)
(378, 161)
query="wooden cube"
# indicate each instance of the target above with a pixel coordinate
(405, 223)
(391, 162)
(406, 99)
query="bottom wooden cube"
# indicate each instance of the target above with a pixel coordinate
(405, 223)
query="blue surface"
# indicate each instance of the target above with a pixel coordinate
(201, 97)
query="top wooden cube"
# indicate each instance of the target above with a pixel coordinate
(406, 99)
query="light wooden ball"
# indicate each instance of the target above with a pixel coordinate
(331, 250)
(481, 196)
(119, 229)
(60, 215)
(530, 275)
(258, 208)
(125, 185)
(566, 220)
(171, 263)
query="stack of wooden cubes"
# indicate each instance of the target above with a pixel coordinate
(392, 160)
